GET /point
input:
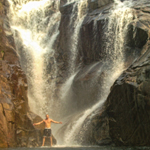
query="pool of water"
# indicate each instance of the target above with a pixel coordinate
(80, 148)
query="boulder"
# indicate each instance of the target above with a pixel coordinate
(128, 105)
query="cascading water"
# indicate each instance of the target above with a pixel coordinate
(37, 24)
(76, 19)
(121, 16)
(36, 27)
(78, 14)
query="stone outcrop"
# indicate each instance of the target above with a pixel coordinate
(89, 47)
(8, 68)
(91, 39)
(127, 105)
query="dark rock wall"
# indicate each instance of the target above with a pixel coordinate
(127, 105)
(90, 50)
(95, 4)
(124, 118)
(91, 41)
(89, 47)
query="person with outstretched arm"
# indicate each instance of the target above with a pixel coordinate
(47, 131)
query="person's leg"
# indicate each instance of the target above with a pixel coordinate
(43, 141)
(51, 141)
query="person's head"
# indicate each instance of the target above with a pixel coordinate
(47, 116)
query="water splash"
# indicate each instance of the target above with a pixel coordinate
(32, 6)
(72, 131)
(70, 137)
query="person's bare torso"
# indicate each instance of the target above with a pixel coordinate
(47, 123)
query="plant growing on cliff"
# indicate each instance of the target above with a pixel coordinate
(2, 54)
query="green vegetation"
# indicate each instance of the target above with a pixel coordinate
(2, 54)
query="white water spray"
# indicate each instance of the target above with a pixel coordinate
(38, 32)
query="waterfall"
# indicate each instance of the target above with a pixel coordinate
(77, 17)
(36, 23)
(120, 17)
(78, 13)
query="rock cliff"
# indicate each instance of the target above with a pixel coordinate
(126, 110)
(128, 101)
(128, 105)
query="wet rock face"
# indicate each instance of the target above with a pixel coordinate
(118, 122)
(124, 118)
(89, 47)
(7, 125)
(13, 100)
(91, 39)
(7, 45)
(128, 105)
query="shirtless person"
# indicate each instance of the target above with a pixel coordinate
(47, 131)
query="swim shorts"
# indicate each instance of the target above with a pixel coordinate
(47, 133)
